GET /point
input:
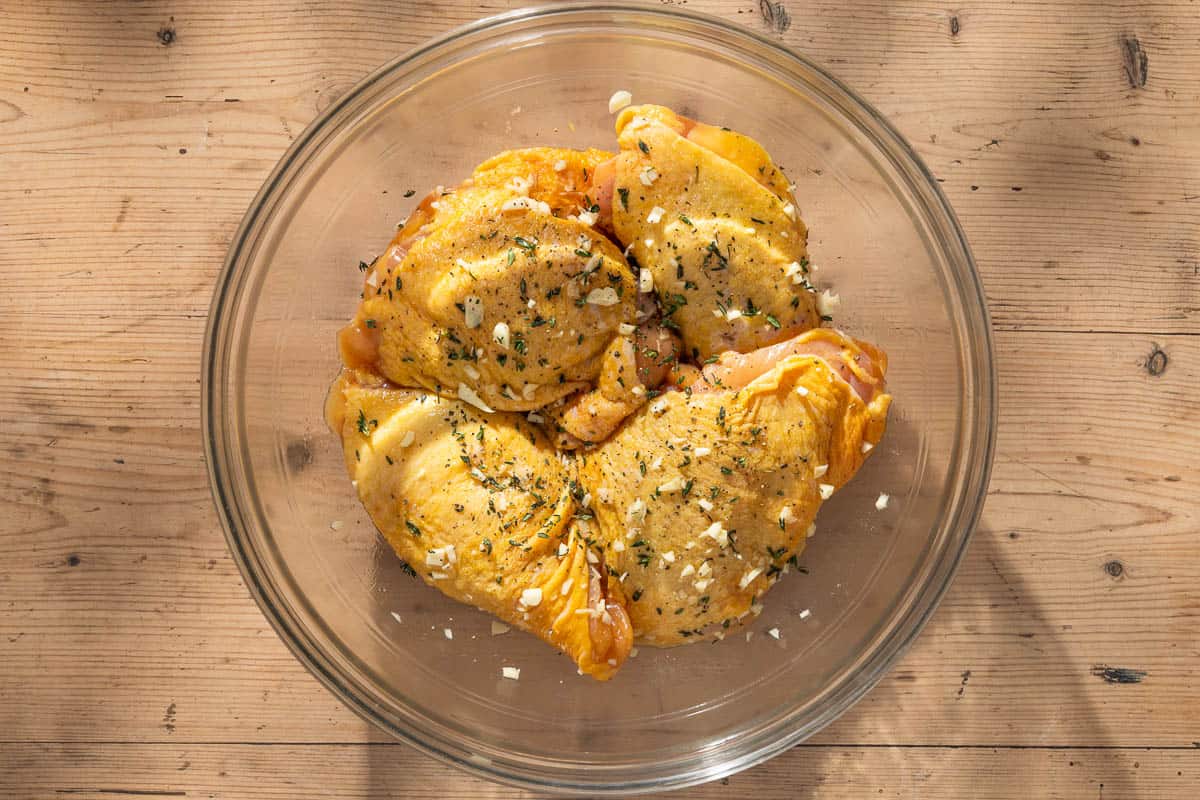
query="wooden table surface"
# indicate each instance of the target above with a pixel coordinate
(1064, 661)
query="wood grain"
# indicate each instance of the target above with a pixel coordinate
(132, 138)
(390, 770)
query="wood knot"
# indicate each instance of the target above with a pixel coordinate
(1118, 674)
(1156, 362)
(776, 15)
(1114, 568)
(954, 25)
(1136, 62)
(166, 35)
(73, 560)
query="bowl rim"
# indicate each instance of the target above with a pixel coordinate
(781, 732)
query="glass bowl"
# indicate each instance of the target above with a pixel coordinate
(882, 236)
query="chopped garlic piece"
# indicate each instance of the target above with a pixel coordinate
(867, 447)
(530, 598)
(637, 511)
(673, 485)
(645, 281)
(655, 215)
(669, 556)
(660, 405)
(717, 533)
(805, 614)
(773, 633)
(512, 673)
(501, 335)
(407, 438)
(560, 165)
(606, 296)
(826, 490)
(790, 210)
(604, 494)
(820, 471)
(705, 569)
(449, 634)
(468, 395)
(749, 577)
(535, 418)
(688, 570)
(705, 505)
(529, 390)
(562, 549)
(882, 502)
(588, 217)
(618, 546)
(648, 176)
(701, 452)
(472, 373)
(827, 301)
(786, 515)
(473, 311)
(625, 329)
(619, 100)
(525, 204)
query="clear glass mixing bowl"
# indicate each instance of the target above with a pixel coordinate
(882, 236)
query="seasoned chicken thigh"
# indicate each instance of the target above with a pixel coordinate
(704, 494)
(710, 217)
(481, 507)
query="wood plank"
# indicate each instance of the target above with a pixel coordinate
(125, 562)
(104, 771)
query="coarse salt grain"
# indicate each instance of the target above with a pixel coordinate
(773, 633)
(805, 614)
(499, 628)
(882, 502)
(620, 99)
(826, 490)
(449, 634)
(396, 617)
(819, 472)
(867, 447)
(512, 673)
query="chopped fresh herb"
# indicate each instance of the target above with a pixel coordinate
(410, 192)
(370, 323)
(407, 569)
(686, 221)
(624, 193)
(525, 244)
(511, 257)
(637, 595)
(582, 253)
(389, 460)
(399, 283)
(362, 422)
(486, 545)
(362, 266)
(643, 147)
(757, 220)
(774, 323)
(413, 529)
(726, 471)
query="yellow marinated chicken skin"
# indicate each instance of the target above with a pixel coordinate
(710, 216)
(480, 506)
(705, 493)
(496, 300)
